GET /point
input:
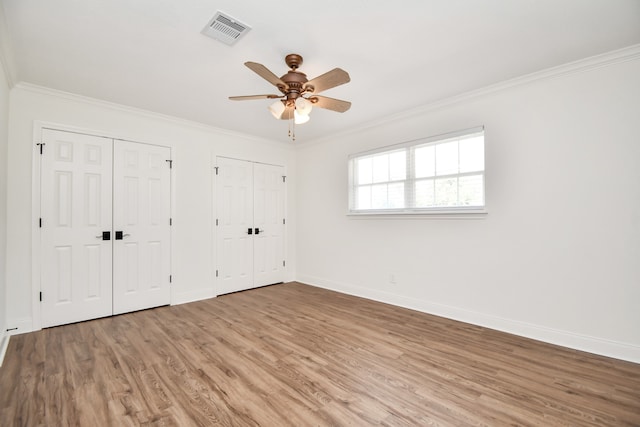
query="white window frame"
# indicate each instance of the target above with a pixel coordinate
(445, 211)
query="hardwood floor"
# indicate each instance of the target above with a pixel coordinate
(296, 355)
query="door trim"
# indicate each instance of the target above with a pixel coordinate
(36, 188)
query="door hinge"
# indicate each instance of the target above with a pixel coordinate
(170, 163)
(40, 144)
(170, 278)
(216, 168)
(284, 263)
(40, 296)
(40, 222)
(170, 221)
(216, 273)
(216, 222)
(283, 221)
(284, 178)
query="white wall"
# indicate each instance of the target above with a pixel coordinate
(194, 148)
(4, 129)
(557, 258)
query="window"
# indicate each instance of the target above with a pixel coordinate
(443, 173)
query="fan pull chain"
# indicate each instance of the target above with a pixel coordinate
(292, 129)
(293, 134)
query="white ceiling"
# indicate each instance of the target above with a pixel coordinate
(150, 54)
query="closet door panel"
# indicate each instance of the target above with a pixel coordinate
(141, 215)
(268, 218)
(76, 270)
(234, 189)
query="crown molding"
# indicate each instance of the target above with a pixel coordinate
(42, 90)
(629, 53)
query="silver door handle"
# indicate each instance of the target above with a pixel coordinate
(126, 235)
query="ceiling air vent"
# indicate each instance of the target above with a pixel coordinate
(226, 29)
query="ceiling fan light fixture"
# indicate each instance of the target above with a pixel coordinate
(277, 108)
(300, 119)
(303, 106)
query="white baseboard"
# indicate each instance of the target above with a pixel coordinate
(4, 343)
(192, 296)
(19, 326)
(604, 347)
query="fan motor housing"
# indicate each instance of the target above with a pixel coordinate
(295, 81)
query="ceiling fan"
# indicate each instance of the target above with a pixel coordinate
(299, 95)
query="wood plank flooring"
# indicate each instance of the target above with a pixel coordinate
(296, 355)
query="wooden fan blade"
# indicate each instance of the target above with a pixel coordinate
(250, 97)
(330, 103)
(266, 74)
(333, 78)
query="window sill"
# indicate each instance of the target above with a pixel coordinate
(431, 214)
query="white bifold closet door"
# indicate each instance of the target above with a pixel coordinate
(76, 185)
(141, 211)
(105, 239)
(250, 224)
